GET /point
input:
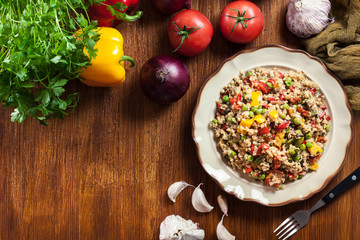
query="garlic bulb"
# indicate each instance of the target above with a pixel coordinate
(178, 228)
(199, 201)
(175, 189)
(307, 17)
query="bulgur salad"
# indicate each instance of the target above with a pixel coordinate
(271, 125)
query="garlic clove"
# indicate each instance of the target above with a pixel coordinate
(223, 204)
(174, 227)
(175, 189)
(222, 233)
(199, 201)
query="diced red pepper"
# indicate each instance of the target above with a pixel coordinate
(313, 90)
(282, 126)
(233, 100)
(272, 81)
(221, 111)
(291, 176)
(262, 147)
(324, 107)
(291, 88)
(252, 149)
(328, 118)
(263, 131)
(281, 75)
(224, 127)
(248, 169)
(323, 115)
(321, 139)
(237, 107)
(313, 123)
(263, 87)
(272, 99)
(266, 106)
(239, 97)
(282, 97)
(246, 80)
(315, 159)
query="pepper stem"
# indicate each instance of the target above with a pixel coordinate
(129, 59)
(184, 33)
(240, 18)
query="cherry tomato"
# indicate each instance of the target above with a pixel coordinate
(190, 32)
(241, 22)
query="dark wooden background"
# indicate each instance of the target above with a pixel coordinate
(103, 172)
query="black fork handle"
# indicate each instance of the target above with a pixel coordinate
(350, 180)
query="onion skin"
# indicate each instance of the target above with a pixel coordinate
(171, 6)
(164, 79)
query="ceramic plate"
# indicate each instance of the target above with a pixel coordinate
(240, 185)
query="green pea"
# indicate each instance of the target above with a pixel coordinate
(243, 137)
(250, 158)
(292, 152)
(245, 107)
(308, 135)
(285, 106)
(297, 121)
(232, 120)
(284, 140)
(302, 147)
(327, 128)
(263, 111)
(232, 153)
(288, 81)
(249, 74)
(225, 98)
(215, 121)
(282, 115)
(251, 114)
(308, 144)
(297, 157)
(270, 84)
(262, 176)
(253, 109)
(258, 111)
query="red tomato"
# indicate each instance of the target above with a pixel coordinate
(190, 32)
(241, 22)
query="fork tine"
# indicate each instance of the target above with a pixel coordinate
(292, 232)
(282, 224)
(289, 229)
(292, 221)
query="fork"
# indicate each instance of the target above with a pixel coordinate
(300, 218)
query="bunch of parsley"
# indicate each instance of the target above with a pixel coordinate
(39, 54)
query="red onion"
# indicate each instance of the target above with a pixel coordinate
(164, 79)
(171, 6)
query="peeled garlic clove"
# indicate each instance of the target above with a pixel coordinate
(222, 233)
(176, 227)
(199, 201)
(223, 204)
(175, 189)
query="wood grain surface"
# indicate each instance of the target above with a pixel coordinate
(103, 172)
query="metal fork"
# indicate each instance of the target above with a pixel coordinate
(300, 218)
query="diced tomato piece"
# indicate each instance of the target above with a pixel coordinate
(313, 90)
(276, 163)
(324, 107)
(262, 147)
(323, 115)
(266, 106)
(303, 112)
(328, 118)
(233, 100)
(224, 127)
(246, 80)
(321, 139)
(262, 87)
(291, 176)
(282, 126)
(291, 88)
(272, 99)
(237, 107)
(252, 149)
(239, 97)
(295, 99)
(263, 131)
(282, 97)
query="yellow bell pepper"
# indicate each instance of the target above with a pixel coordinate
(255, 99)
(274, 114)
(259, 118)
(245, 123)
(315, 149)
(107, 68)
(314, 166)
(279, 138)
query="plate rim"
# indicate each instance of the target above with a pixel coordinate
(291, 50)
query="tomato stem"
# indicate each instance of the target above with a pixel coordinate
(240, 18)
(184, 33)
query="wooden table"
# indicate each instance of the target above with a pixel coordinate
(103, 172)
